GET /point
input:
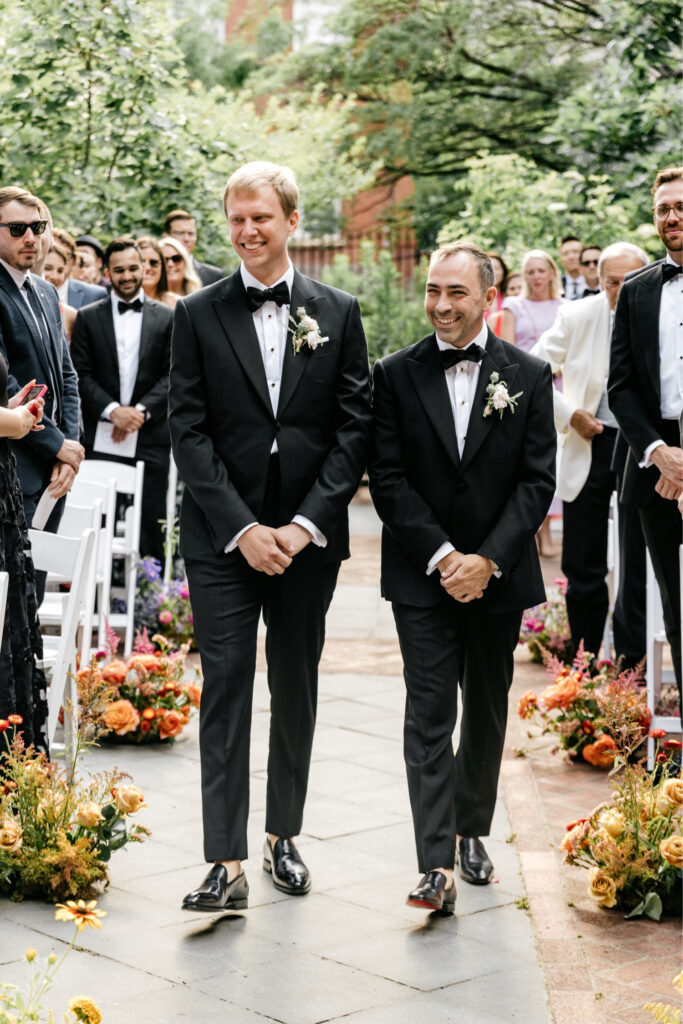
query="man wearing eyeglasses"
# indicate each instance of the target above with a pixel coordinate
(588, 261)
(181, 225)
(646, 396)
(33, 344)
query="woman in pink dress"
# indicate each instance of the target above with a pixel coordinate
(525, 318)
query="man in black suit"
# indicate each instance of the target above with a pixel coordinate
(269, 409)
(71, 291)
(462, 473)
(121, 348)
(33, 344)
(181, 225)
(646, 396)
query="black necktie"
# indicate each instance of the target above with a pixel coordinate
(670, 270)
(474, 353)
(135, 305)
(257, 296)
(44, 332)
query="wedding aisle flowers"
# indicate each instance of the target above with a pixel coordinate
(163, 608)
(545, 627)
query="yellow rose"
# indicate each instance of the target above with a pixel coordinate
(89, 814)
(85, 1010)
(129, 799)
(10, 836)
(671, 791)
(671, 850)
(602, 888)
(612, 821)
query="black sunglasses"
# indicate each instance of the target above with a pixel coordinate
(589, 263)
(176, 258)
(154, 263)
(17, 229)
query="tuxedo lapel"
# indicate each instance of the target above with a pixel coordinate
(294, 364)
(429, 380)
(12, 294)
(237, 321)
(649, 284)
(479, 426)
(106, 319)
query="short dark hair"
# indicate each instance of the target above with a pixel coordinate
(586, 248)
(569, 238)
(666, 175)
(177, 215)
(118, 245)
(484, 266)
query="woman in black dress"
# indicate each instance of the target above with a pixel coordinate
(22, 684)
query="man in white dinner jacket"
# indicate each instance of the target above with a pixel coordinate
(578, 346)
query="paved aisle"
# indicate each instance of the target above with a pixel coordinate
(349, 951)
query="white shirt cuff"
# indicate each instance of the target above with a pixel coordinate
(646, 463)
(232, 544)
(108, 410)
(319, 539)
(444, 550)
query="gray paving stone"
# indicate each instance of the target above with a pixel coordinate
(515, 995)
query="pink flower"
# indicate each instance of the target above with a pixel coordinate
(184, 592)
(166, 618)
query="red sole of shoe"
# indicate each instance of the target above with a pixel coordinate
(423, 904)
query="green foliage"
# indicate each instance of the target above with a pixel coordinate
(508, 204)
(390, 318)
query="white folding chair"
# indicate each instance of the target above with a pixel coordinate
(612, 572)
(171, 492)
(655, 673)
(85, 492)
(4, 587)
(72, 558)
(129, 480)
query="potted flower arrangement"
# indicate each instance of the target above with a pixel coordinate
(572, 707)
(149, 699)
(545, 627)
(58, 831)
(163, 608)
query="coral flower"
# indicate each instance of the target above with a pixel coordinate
(15, 719)
(81, 913)
(563, 691)
(194, 694)
(85, 1010)
(527, 704)
(148, 714)
(148, 662)
(601, 753)
(657, 734)
(171, 724)
(4, 724)
(115, 672)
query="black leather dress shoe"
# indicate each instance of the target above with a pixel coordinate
(217, 893)
(473, 860)
(432, 894)
(283, 862)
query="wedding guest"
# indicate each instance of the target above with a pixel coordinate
(513, 284)
(182, 278)
(182, 225)
(573, 281)
(494, 316)
(55, 271)
(154, 280)
(71, 291)
(588, 261)
(461, 485)
(89, 261)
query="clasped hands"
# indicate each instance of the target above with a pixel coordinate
(464, 577)
(271, 550)
(126, 419)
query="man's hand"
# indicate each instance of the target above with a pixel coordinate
(127, 418)
(292, 538)
(669, 462)
(469, 580)
(61, 479)
(667, 490)
(585, 424)
(450, 562)
(72, 453)
(119, 435)
(261, 550)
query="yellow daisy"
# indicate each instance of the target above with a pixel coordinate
(80, 912)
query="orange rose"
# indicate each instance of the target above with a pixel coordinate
(563, 691)
(171, 724)
(601, 753)
(148, 662)
(527, 704)
(115, 672)
(121, 716)
(194, 693)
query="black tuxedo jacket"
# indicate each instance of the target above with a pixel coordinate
(634, 379)
(26, 356)
(489, 502)
(223, 427)
(93, 349)
(207, 272)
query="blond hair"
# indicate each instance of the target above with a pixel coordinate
(541, 254)
(255, 175)
(191, 281)
(12, 193)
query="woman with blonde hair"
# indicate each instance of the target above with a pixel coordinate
(154, 279)
(182, 277)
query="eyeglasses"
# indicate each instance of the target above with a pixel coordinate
(663, 211)
(17, 228)
(175, 258)
(589, 263)
(154, 263)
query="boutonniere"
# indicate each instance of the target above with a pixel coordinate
(305, 331)
(498, 398)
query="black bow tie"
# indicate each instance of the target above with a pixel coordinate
(474, 353)
(257, 296)
(135, 306)
(670, 270)
(590, 291)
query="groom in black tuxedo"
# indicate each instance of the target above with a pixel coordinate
(462, 472)
(269, 416)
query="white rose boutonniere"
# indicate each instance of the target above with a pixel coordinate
(498, 398)
(305, 331)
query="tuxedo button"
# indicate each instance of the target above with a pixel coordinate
(276, 426)
(460, 486)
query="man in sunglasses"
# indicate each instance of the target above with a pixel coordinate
(588, 261)
(33, 344)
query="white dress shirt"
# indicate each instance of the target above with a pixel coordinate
(670, 354)
(271, 323)
(127, 331)
(461, 381)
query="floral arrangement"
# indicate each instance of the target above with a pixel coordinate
(58, 831)
(498, 398)
(163, 608)
(147, 699)
(545, 627)
(667, 1014)
(572, 707)
(632, 843)
(305, 331)
(28, 1006)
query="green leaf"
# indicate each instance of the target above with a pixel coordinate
(636, 912)
(652, 906)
